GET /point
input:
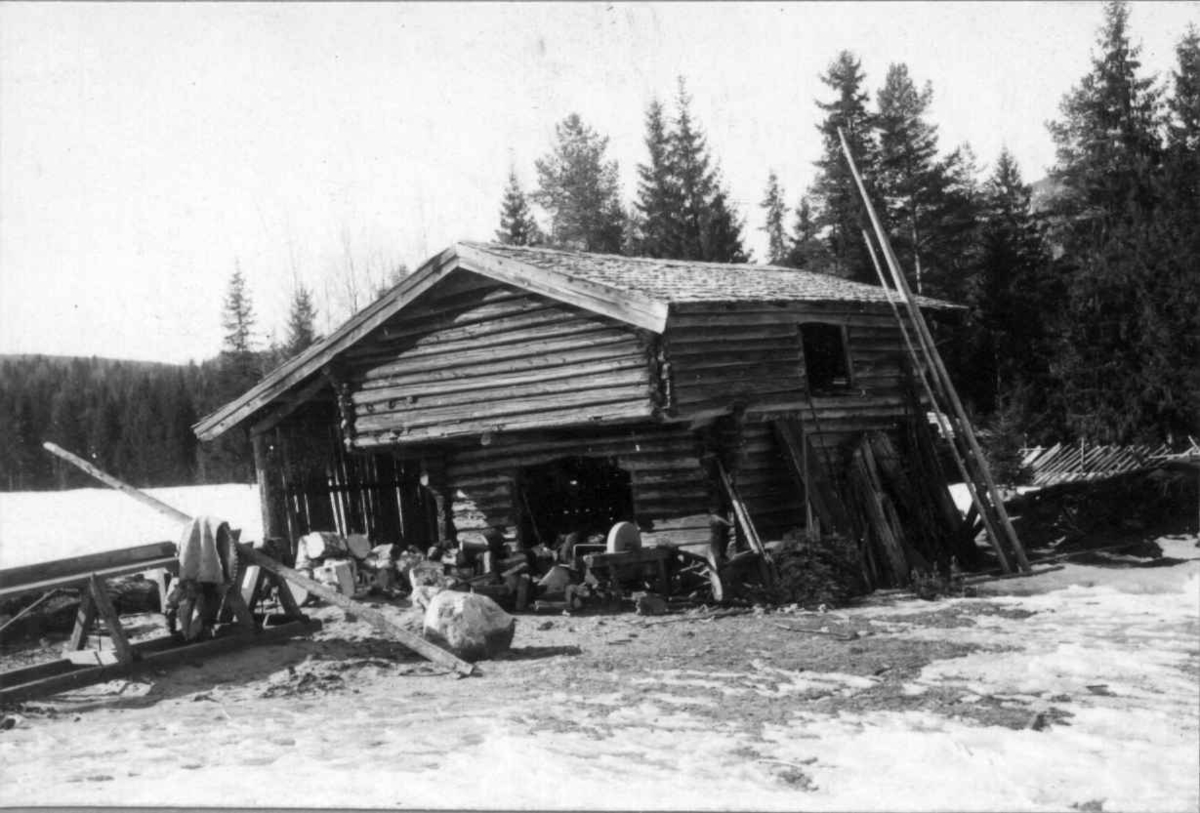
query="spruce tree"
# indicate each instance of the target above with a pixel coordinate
(1184, 102)
(776, 211)
(808, 250)
(229, 456)
(709, 229)
(1128, 338)
(658, 208)
(839, 209)
(908, 175)
(517, 226)
(722, 238)
(302, 319)
(578, 187)
(1007, 298)
(1106, 140)
(238, 316)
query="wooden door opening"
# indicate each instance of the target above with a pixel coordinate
(584, 494)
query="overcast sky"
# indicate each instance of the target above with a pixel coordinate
(147, 148)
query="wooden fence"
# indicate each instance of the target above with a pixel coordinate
(1067, 463)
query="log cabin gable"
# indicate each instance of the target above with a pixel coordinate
(474, 356)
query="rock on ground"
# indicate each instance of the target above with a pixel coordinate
(471, 626)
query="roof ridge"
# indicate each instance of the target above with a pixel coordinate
(484, 246)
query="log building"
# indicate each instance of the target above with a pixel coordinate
(538, 391)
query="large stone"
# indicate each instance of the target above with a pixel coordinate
(471, 626)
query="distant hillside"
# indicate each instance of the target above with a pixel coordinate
(131, 418)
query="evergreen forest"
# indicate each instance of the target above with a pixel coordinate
(1083, 296)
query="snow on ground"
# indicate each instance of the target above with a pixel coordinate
(1104, 663)
(38, 526)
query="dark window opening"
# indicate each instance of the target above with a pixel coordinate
(583, 494)
(825, 362)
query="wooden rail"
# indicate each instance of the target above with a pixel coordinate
(1063, 463)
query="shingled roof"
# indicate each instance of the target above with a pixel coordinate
(680, 281)
(635, 290)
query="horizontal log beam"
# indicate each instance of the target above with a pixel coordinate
(638, 393)
(582, 349)
(543, 382)
(76, 565)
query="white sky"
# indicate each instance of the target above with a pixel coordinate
(146, 148)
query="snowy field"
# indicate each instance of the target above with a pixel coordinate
(1077, 689)
(38, 526)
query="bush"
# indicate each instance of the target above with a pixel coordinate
(810, 574)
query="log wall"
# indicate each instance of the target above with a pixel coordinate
(474, 356)
(749, 359)
(671, 489)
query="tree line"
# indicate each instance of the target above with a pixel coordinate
(134, 419)
(1084, 309)
(1083, 316)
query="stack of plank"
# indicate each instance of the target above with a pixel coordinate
(1068, 463)
(908, 523)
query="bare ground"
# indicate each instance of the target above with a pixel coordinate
(618, 711)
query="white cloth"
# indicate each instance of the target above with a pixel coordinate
(205, 551)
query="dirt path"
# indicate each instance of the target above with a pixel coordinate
(1082, 692)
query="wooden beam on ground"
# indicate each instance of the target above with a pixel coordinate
(19, 685)
(372, 616)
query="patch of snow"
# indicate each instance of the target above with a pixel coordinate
(40, 526)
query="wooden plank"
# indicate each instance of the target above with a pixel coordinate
(975, 458)
(107, 479)
(19, 685)
(871, 497)
(170, 564)
(542, 321)
(563, 346)
(290, 405)
(744, 521)
(112, 621)
(815, 479)
(43, 571)
(84, 616)
(373, 617)
(585, 405)
(621, 375)
(503, 382)
(626, 306)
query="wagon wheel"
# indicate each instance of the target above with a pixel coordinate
(699, 566)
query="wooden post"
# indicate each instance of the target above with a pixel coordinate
(942, 377)
(109, 480)
(83, 620)
(270, 495)
(959, 462)
(111, 620)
